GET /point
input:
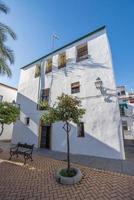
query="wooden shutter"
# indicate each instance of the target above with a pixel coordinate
(82, 52)
(49, 65)
(62, 60)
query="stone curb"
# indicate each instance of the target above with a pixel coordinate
(69, 180)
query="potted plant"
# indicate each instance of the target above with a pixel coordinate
(67, 109)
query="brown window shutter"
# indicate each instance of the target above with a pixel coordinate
(49, 65)
(82, 52)
(62, 60)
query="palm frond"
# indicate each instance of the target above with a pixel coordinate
(7, 30)
(4, 8)
(6, 53)
(3, 36)
(4, 68)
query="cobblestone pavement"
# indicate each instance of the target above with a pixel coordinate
(36, 181)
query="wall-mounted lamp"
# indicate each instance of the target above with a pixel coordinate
(99, 84)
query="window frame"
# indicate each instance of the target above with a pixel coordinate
(37, 71)
(62, 63)
(79, 51)
(80, 130)
(75, 87)
(49, 68)
(45, 97)
(27, 121)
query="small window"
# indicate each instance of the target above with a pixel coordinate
(131, 101)
(124, 125)
(62, 60)
(1, 98)
(82, 52)
(27, 121)
(75, 87)
(122, 111)
(49, 65)
(45, 94)
(37, 71)
(118, 93)
(80, 129)
(123, 92)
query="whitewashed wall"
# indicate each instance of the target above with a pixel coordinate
(9, 95)
(103, 133)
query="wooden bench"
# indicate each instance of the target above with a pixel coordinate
(22, 149)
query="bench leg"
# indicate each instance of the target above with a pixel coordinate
(31, 158)
(11, 154)
(25, 158)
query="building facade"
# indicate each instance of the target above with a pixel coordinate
(8, 94)
(126, 101)
(74, 69)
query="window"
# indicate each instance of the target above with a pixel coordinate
(1, 98)
(124, 125)
(62, 60)
(37, 71)
(123, 92)
(118, 93)
(80, 129)
(27, 121)
(45, 94)
(131, 101)
(82, 52)
(75, 87)
(122, 111)
(49, 65)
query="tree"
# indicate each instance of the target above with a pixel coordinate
(67, 109)
(8, 114)
(6, 54)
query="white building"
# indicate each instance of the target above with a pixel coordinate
(8, 94)
(73, 69)
(126, 101)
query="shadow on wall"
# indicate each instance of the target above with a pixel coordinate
(88, 145)
(72, 66)
(22, 132)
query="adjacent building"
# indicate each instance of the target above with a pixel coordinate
(8, 94)
(82, 68)
(126, 102)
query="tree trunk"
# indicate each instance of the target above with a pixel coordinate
(68, 148)
(2, 128)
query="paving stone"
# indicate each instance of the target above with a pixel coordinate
(36, 181)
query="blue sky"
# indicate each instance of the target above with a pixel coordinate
(35, 20)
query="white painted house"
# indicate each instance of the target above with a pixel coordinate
(126, 101)
(73, 69)
(8, 94)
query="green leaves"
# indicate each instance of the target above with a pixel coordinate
(67, 108)
(43, 105)
(8, 113)
(6, 54)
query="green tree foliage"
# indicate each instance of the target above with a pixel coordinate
(6, 54)
(67, 109)
(8, 114)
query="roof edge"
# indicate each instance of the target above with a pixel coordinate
(8, 86)
(87, 35)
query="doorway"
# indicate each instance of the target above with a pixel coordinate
(45, 137)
